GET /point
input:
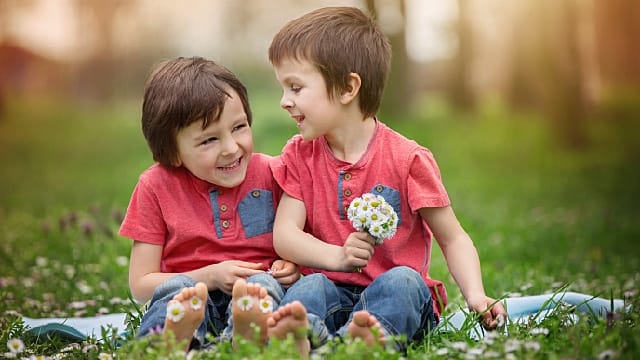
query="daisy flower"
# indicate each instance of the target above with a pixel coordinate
(175, 311)
(196, 303)
(105, 356)
(15, 345)
(245, 303)
(266, 306)
(371, 213)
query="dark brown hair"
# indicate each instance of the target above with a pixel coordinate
(179, 92)
(338, 41)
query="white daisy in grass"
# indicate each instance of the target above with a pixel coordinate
(175, 311)
(37, 357)
(196, 303)
(245, 303)
(266, 306)
(15, 345)
(105, 356)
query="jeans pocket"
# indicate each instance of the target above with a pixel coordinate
(257, 213)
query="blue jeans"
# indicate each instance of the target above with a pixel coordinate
(399, 299)
(217, 316)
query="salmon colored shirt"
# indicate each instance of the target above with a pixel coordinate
(399, 169)
(198, 223)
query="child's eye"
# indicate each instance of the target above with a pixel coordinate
(295, 88)
(240, 127)
(209, 140)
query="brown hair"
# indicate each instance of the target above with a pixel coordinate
(338, 41)
(179, 92)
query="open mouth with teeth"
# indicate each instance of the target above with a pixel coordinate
(234, 165)
(299, 119)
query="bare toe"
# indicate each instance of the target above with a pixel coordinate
(291, 319)
(366, 327)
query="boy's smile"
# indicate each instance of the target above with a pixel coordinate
(220, 153)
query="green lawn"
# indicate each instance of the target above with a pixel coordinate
(541, 217)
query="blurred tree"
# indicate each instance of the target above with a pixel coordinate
(618, 34)
(563, 95)
(97, 76)
(7, 10)
(460, 92)
(398, 95)
(547, 66)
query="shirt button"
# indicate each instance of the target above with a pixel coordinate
(346, 208)
(225, 224)
(347, 192)
(255, 193)
(379, 188)
(223, 207)
(347, 176)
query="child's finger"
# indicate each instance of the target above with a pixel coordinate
(250, 265)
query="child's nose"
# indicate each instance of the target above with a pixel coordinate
(229, 145)
(285, 102)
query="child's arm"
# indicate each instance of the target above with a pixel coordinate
(145, 274)
(294, 244)
(463, 262)
(144, 270)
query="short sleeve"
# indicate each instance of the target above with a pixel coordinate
(143, 220)
(285, 170)
(424, 183)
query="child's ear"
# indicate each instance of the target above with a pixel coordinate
(177, 162)
(352, 90)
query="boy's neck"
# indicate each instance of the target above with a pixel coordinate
(350, 142)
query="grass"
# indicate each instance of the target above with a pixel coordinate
(542, 218)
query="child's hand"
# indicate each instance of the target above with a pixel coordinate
(285, 272)
(492, 312)
(357, 251)
(224, 274)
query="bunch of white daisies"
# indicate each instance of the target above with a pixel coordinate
(371, 213)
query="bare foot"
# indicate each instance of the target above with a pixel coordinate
(366, 327)
(185, 312)
(251, 307)
(291, 319)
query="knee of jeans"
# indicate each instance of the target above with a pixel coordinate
(405, 275)
(314, 279)
(315, 282)
(268, 282)
(175, 283)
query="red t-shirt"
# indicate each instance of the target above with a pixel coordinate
(399, 169)
(198, 223)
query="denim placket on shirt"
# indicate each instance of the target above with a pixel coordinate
(340, 209)
(213, 197)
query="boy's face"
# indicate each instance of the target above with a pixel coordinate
(306, 98)
(219, 153)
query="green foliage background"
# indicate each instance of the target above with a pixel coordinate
(541, 216)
